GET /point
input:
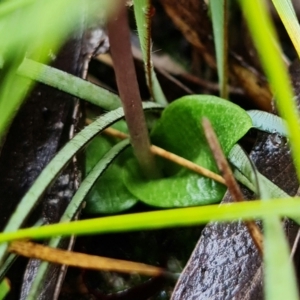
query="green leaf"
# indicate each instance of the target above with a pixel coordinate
(219, 12)
(4, 288)
(268, 122)
(109, 195)
(179, 131)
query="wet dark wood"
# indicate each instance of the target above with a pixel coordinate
(225, 263)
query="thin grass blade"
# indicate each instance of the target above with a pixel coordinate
(290, 21)
(163, 219)
(219, 12)
(58, 163)
(73, 207)
(142, 13)
(279, 274)
(69, 84)
(239, 160)
(263, 34)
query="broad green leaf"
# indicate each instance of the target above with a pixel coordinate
(52, 170)
(179, 131)
(142, 13)
(4, 288)
(219, 13)
(163, 219)
(76, 203)
(290, 21)
(109, 194)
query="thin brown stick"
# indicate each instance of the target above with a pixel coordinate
(81, 260)
(171, 156)
(231, 183)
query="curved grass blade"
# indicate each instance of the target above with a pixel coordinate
(57, 164)
(238, 158)
(219, 12)
(163, 219)
(263, 34)
(142, 13)
(69, 84)
(74, 206)
(290, 21)
(268, 122)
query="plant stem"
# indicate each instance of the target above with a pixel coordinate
(119, 37)
(231, 183)
(172, 157)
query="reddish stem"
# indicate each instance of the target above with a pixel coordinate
(119, 37)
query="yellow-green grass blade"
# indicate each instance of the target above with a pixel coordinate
(163, 219)
(263, 34)
(280, 278)
(264, 37)
(288, 17)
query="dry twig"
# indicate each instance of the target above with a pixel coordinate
(81, 260)
(171, 156)
(231, 183)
